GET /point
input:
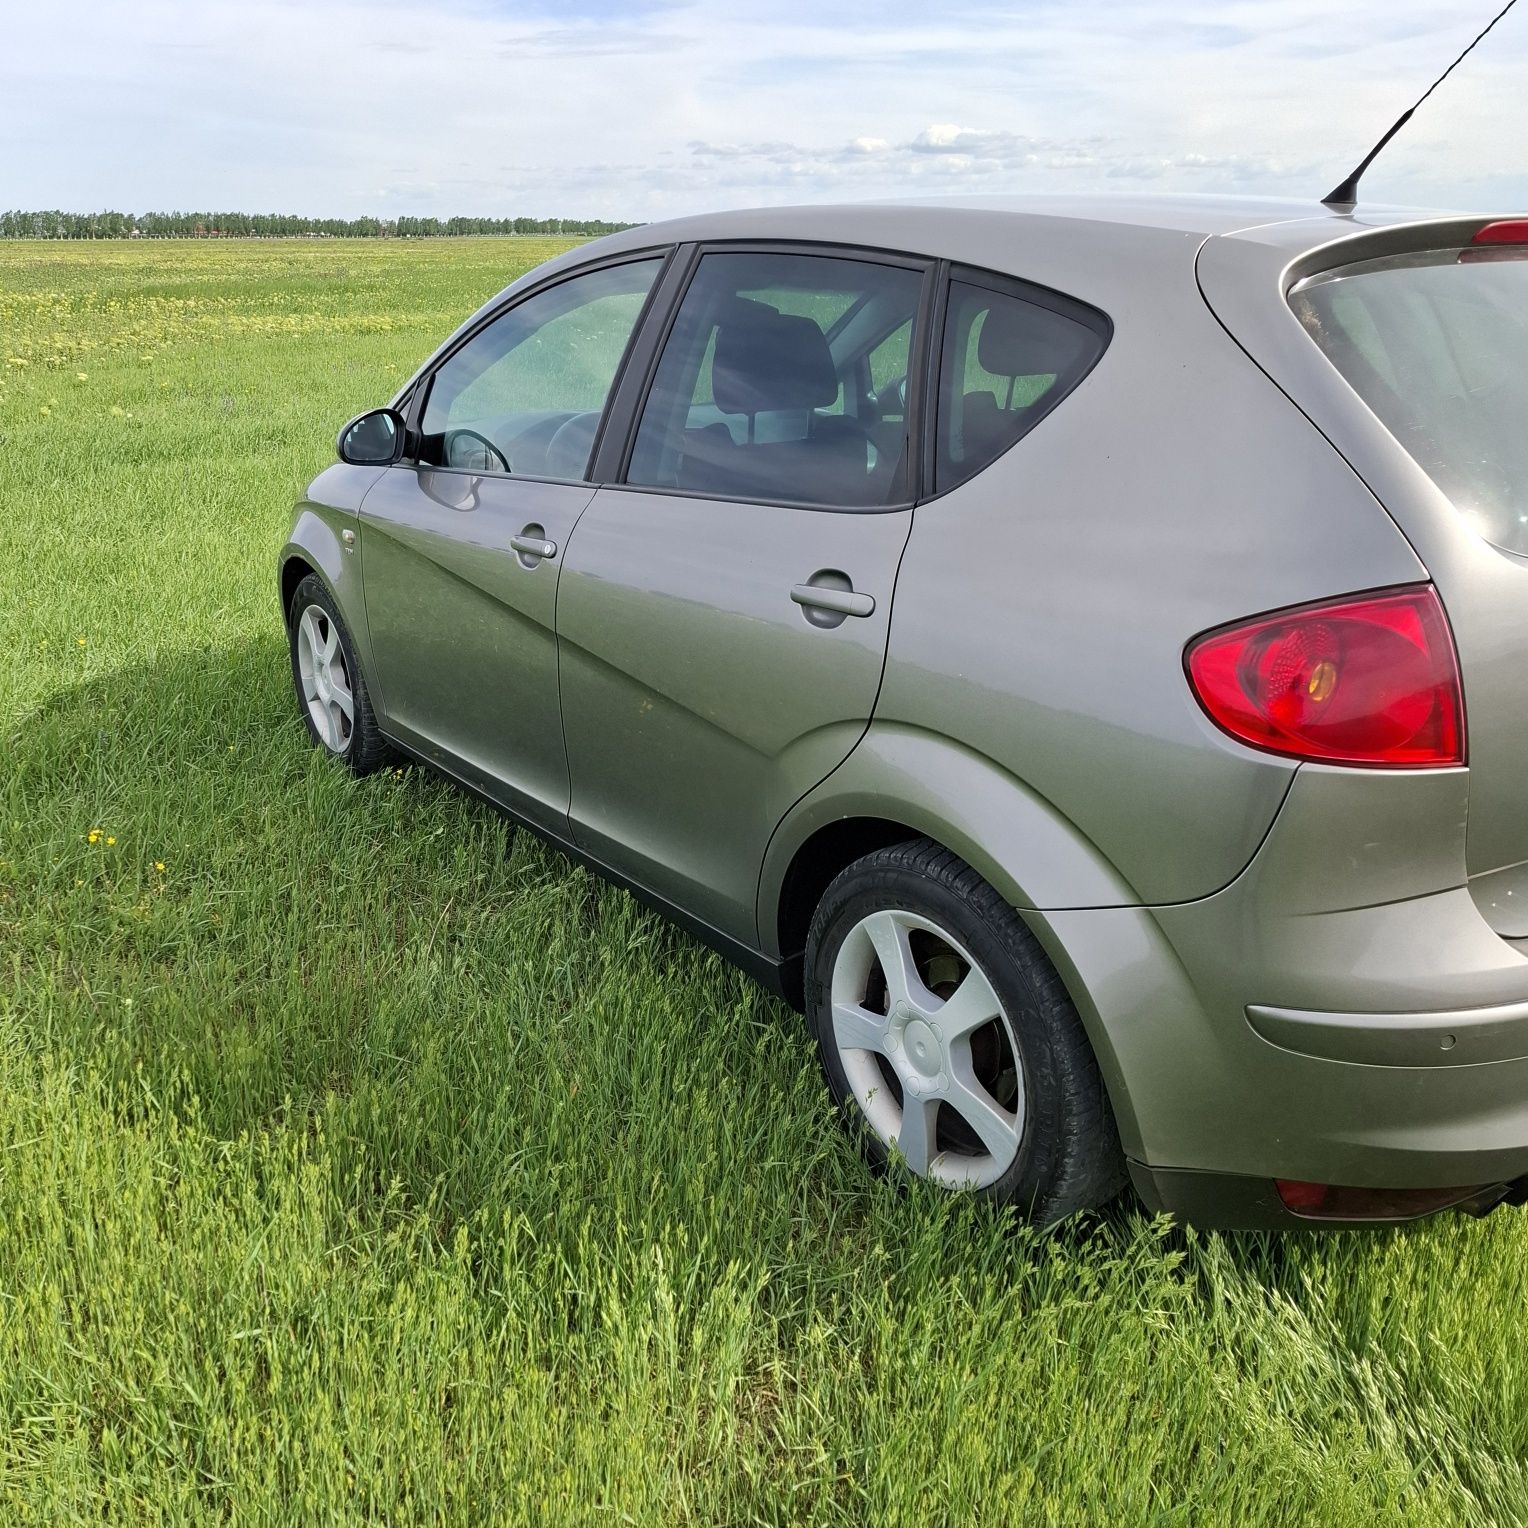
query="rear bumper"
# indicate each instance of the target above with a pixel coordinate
(1462, 1037)
(1225, 1201)
(1342, 1014)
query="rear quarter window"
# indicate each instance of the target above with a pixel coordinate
(1009, 357)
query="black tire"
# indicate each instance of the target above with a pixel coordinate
(363, 749)
(1068, 1157)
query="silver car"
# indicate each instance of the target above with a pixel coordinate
(1077, 652)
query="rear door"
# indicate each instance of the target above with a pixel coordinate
(723, 612)
(462, 545)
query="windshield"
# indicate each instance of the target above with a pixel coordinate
(1437, 345)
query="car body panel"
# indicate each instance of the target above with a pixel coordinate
(1044, 607)
(1484, 589)
(1502, 897)
(699, 701)
(463, 627)
(1314, 927)
(330, 508)
(944, 790)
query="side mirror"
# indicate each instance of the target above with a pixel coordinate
(373, 439)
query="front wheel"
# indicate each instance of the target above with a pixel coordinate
(948, 1039)
(331, 691)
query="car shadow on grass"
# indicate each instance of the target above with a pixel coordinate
(210, 909)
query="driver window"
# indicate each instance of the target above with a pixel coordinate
(525, 394)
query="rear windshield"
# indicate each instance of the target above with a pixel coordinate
(1437, 345)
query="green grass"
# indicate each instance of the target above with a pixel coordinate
(370, 1161)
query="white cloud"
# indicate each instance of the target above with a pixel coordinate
(632, 110)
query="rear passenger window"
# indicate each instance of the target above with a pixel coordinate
(1007, 362)
(888, 364)
(763, 388)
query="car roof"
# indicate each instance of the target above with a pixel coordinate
(918, 225)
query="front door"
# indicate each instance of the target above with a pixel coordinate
(461, 547)
(723, 616)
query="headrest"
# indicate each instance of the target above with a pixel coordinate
(1019, 339)
(769, 360)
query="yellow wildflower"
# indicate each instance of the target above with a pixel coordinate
(110, 841)
(93, 836)
(159, 866)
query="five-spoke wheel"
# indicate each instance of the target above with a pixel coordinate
(331, 690)
(949, 1040)
(927, 1048)
(324, 679)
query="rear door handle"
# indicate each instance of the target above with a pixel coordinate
(533, 546)
(838, 601)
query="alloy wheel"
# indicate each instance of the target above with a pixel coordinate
(326, 689)
(928, 1050)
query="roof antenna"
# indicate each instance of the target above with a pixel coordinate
(1345, 197)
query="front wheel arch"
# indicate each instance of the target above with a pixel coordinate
(294, 569)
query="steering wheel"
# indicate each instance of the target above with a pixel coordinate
(473, 452)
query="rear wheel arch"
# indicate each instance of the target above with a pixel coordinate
(814, 867)
(926, 785)
(882, 795)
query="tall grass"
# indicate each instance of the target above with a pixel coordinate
(362, 1159)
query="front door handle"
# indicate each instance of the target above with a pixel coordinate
(837, 601)
(533, 547)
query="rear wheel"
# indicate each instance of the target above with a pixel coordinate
(949, 1041)
(331, 691)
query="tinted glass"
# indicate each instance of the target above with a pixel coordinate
(764, 389)
(525, 395)
(1007, 362)
(1437, 345)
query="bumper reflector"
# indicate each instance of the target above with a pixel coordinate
(1333, 1201)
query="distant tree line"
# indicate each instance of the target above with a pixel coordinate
(275, 225)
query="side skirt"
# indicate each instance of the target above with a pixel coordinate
(779, 977)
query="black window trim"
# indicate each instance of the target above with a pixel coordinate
(615, 436)
(421, 387)
(1022, 291)
(636, 396)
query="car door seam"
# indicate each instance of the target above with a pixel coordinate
(875, 700)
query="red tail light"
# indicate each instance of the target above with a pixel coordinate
(1370, 681)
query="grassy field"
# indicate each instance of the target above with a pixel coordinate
(360, 1158)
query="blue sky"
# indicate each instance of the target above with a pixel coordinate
(642, 110)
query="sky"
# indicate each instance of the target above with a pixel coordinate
(634, 111)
